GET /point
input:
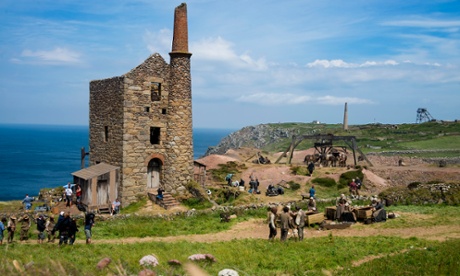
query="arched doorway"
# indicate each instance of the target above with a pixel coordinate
(154, 173)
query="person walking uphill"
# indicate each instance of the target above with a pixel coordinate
(89, 222)
(285, 217)
(11, 227)
(25, 226)
(271, 223)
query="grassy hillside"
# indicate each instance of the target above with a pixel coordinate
(441, 137)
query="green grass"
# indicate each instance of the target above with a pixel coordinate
(249, 257)
(314, 256)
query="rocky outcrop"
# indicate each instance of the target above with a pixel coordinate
(258, 136)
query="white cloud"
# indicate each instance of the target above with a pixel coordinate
(425, 23)
(57, 55)
(332, 100)
(338, 63)
(274, 99)
(221, 50)
(159, 42)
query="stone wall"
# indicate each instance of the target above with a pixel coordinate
(180, 148)
(106, 110)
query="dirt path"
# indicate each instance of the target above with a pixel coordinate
(257, 229)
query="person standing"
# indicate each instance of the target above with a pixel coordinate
(25, 226)
(89, 222)
(68, 195)
(271, 223)
(78, 193)
(300, 221)
(73, 229)
(2, 229)
(41, 227)
(11, 227)
(285, 217)
(49, 229)
(63, 226)
(353, 188)
(311, 168)
(27, 201)
(312, 191)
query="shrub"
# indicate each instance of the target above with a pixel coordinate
(345, 178)
(324, 181)
(299, 170)
(293, 185)
(224, 169)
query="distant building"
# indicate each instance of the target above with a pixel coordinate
(141, 122)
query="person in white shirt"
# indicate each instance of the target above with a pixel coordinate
(68, 195)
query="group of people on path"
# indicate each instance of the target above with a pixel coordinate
(294, 220)
(66, 227)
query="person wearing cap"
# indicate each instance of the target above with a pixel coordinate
(25, 226)
(41, 227)
(11, 227)
(312, 204)
(49, 229)
(340, 203)
(2, 228)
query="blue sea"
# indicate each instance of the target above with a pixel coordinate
(33, 157)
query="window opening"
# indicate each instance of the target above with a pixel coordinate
(163, 111)
(154, 135)
(106, 134)
(155, 90)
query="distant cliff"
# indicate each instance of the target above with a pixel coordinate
(264, 136)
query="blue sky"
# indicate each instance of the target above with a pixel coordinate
(253, 61)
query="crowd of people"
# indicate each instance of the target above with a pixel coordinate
(287, 220)
(66, 227)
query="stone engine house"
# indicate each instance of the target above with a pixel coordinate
(141, 121)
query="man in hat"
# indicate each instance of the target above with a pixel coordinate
(49, 229)
(25, 226)
(11, 227)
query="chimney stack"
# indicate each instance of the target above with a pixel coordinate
(180, 36)
(345, 118)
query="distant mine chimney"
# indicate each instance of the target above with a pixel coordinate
(180, 36)
(345, 117)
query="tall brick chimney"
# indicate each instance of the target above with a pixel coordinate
(179, 163)
(180, 37)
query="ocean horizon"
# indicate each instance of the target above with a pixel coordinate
(33, 157)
